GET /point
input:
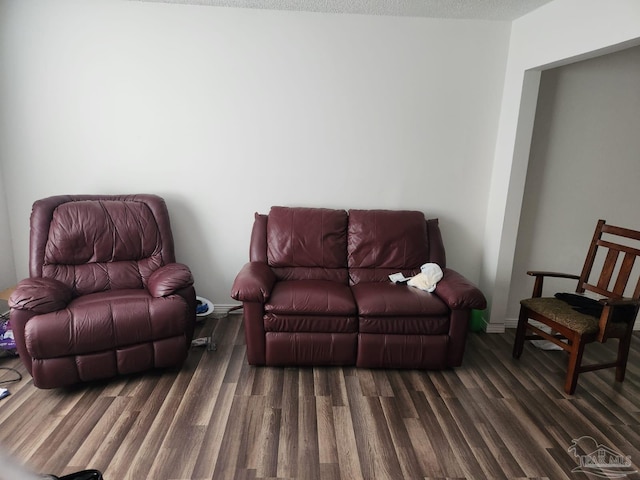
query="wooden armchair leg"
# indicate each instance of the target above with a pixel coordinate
(521, 332)
(623, 354)
(573, 369)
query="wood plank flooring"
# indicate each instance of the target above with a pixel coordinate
(219, 418)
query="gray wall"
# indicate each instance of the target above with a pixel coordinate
(584, 165)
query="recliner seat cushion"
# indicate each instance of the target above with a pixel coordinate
(106, 321)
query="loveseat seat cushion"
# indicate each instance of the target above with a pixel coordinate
(386, 299)
(388, 308)
(314, 297)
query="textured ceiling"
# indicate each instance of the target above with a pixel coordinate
(505, 10)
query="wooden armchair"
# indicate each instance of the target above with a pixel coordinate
(572, 327)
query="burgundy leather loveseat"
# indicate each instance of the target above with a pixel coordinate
(104, 295)
(316, 291)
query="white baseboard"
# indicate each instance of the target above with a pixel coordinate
(511, 322)
(491, 327)
(494, 327)
(224, 308)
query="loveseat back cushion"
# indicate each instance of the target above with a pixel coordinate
(258, 243)
(382, 242)
(436, 245)
(307, 243)
(99, 244)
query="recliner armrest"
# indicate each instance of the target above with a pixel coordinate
(168, 279)
(458, 292)
(40, 295)
(253, 283)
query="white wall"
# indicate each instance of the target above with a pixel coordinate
(584, 165)
(226, 112)
(558, 33)
(7, 267)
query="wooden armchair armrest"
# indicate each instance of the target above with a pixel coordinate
(617, 302)
(540, 275)
(616, 310)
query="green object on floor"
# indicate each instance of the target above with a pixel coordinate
(476, 324)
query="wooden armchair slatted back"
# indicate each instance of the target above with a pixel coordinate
(610, 267)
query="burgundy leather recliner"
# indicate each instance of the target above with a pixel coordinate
(104, 295)
(316, 291)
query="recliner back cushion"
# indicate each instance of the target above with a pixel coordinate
(102, 245)
(382, 242)
(307, 243)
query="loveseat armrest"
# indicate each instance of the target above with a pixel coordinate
(169, 279)
(40, 295)
(253, 283)
(459, 293)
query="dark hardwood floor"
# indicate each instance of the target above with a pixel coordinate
(220, 418)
